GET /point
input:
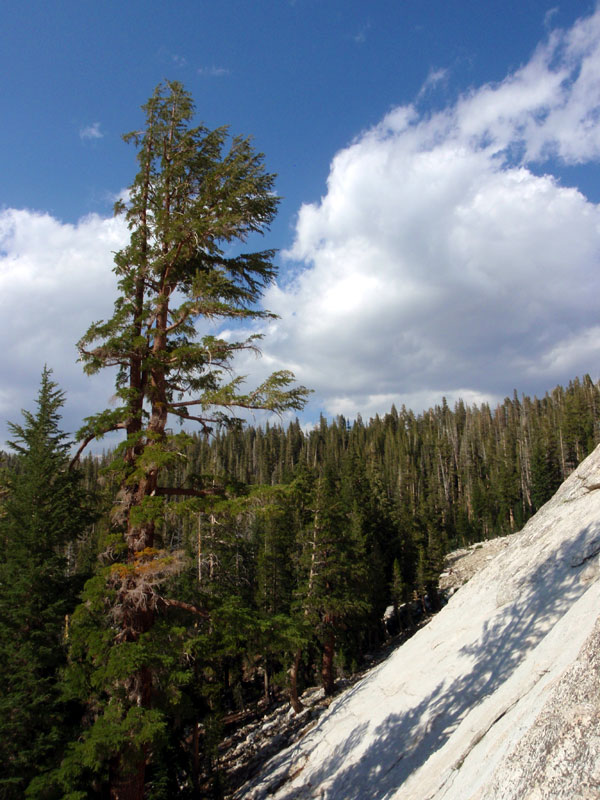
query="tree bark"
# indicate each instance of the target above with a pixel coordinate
(294, 699)
(127, 781)
(196, 756)
(327, 664)
(126, 785)
(267, 685)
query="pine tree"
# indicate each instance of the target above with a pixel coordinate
(333, 592)
(190, 205)
(545, 468)
(43, 512)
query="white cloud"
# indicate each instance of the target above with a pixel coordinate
(90, 132)
(549, 16)
(55, 279)
(580, 349)
(213, 72)
(361, 36)
(438, 262)
(434, 77)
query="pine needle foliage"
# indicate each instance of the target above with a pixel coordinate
(197, 197)
(43, 512)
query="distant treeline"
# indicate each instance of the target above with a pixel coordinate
(417, 485)
(472, 471)
(379, 503)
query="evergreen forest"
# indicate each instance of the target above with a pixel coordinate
(151, 595)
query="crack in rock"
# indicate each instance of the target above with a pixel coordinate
(480, 735)
(592, 550)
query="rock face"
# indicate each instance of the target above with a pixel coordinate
(461, 565)
(498, 698)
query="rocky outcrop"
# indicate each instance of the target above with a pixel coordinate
(461, 565)
(497, 698)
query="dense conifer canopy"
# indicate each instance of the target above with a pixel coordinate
(44, 512)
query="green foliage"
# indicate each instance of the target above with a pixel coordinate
(44, 513)
(190, 201)
(104, 670)
(198, 195)
(285, 572)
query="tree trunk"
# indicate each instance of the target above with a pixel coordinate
(327, 664)
(267, 683)
(127, 776)
(294, 699)
(125, 784)
(196, 757)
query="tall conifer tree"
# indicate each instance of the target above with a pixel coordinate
(43, 511)
(190, 206)
(332, 592)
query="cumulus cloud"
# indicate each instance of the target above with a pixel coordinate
(213, 72)
(55, 279)
(90, 132)
(549, 16)
(445, 258)
(435, 77)
(441, 260)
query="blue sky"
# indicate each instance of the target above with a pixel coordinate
(438, 164)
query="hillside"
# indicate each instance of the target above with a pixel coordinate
(496, 698)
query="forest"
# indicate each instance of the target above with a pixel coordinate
(149, 594)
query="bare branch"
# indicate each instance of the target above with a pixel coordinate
(185, 606)
(178, 322)
(206, 422)
(174, 491)
(90, 437)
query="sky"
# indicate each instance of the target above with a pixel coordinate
(438, 164)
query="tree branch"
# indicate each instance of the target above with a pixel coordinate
(119, 426)
(206, 422)
(185, 606)
(179, 321)
(174, 491)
